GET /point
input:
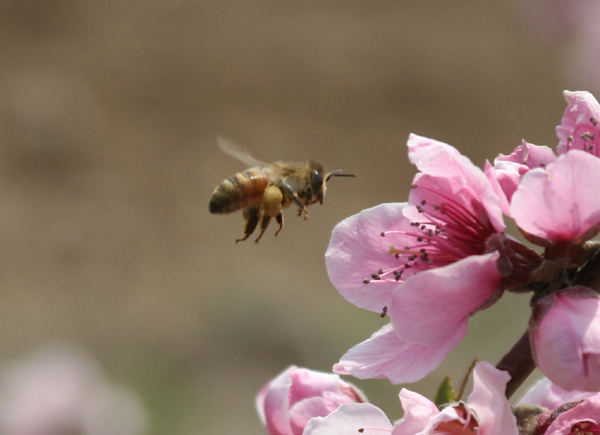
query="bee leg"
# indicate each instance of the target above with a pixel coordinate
(279, 219)
(264, 223)
(292, 192)
(251, 217)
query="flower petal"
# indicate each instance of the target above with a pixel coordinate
(545, 393)
(489, 402)
(357, 250)
(579, 126)
(434, 305)
(418, 413)
(560, 203)
(567, 343)
(466, 183)
(384, 355)
(351, 419)
(587, 411)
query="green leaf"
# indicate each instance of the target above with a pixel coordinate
(445, 393)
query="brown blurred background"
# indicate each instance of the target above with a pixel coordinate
(108, 124)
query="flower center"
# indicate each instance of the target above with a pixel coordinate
(447, 233)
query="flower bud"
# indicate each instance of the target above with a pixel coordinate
(288, 402)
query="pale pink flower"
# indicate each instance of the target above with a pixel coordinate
(549, 395)
(579, 128)
(486, 411)
(288, 402)
(559, 204)
(60, 390)
(428, 263)
(565, 334)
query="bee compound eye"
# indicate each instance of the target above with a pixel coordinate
(316, 181)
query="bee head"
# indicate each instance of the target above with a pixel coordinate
(317, 183)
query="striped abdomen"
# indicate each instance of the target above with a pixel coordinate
(239, 191)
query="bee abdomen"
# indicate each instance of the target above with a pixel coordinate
(238, 191)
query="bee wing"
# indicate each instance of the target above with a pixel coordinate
(233, 150)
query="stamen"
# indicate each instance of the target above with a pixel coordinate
(384, 312)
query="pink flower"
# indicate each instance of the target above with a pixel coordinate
(287, 403)
(566, 341)
(545, 393)
(428, 263)
(486, 412)
(579, 128)
(559, 204)
(581, 419)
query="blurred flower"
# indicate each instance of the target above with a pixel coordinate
(61, 390)
(287, 403)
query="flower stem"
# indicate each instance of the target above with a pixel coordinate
(519, 364)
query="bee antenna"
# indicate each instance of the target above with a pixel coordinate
(337, 173)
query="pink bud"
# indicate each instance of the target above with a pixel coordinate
(566, 340)
(288, 402)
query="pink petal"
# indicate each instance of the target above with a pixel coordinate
(545, 393)
(309, 383)
(489, 402)
(567, 343)
(357, 250)
(560, 203)
(529, 155)
(504, 184)
(580, 119)
(465, 182)
(384, 355)
(418, 413)
(351, 419)
(272, 404)
(303, 411)
(586, 411)
(434, 305)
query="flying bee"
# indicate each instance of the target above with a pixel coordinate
(266, 188)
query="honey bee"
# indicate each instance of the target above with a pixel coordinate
(266, 188)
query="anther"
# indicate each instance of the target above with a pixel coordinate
(366, 281)
(375, 276)
(382, 234)
(423, 202)
(413, 186)
(594, 122)
(380, 272)
(587, 136)
(383, 312)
